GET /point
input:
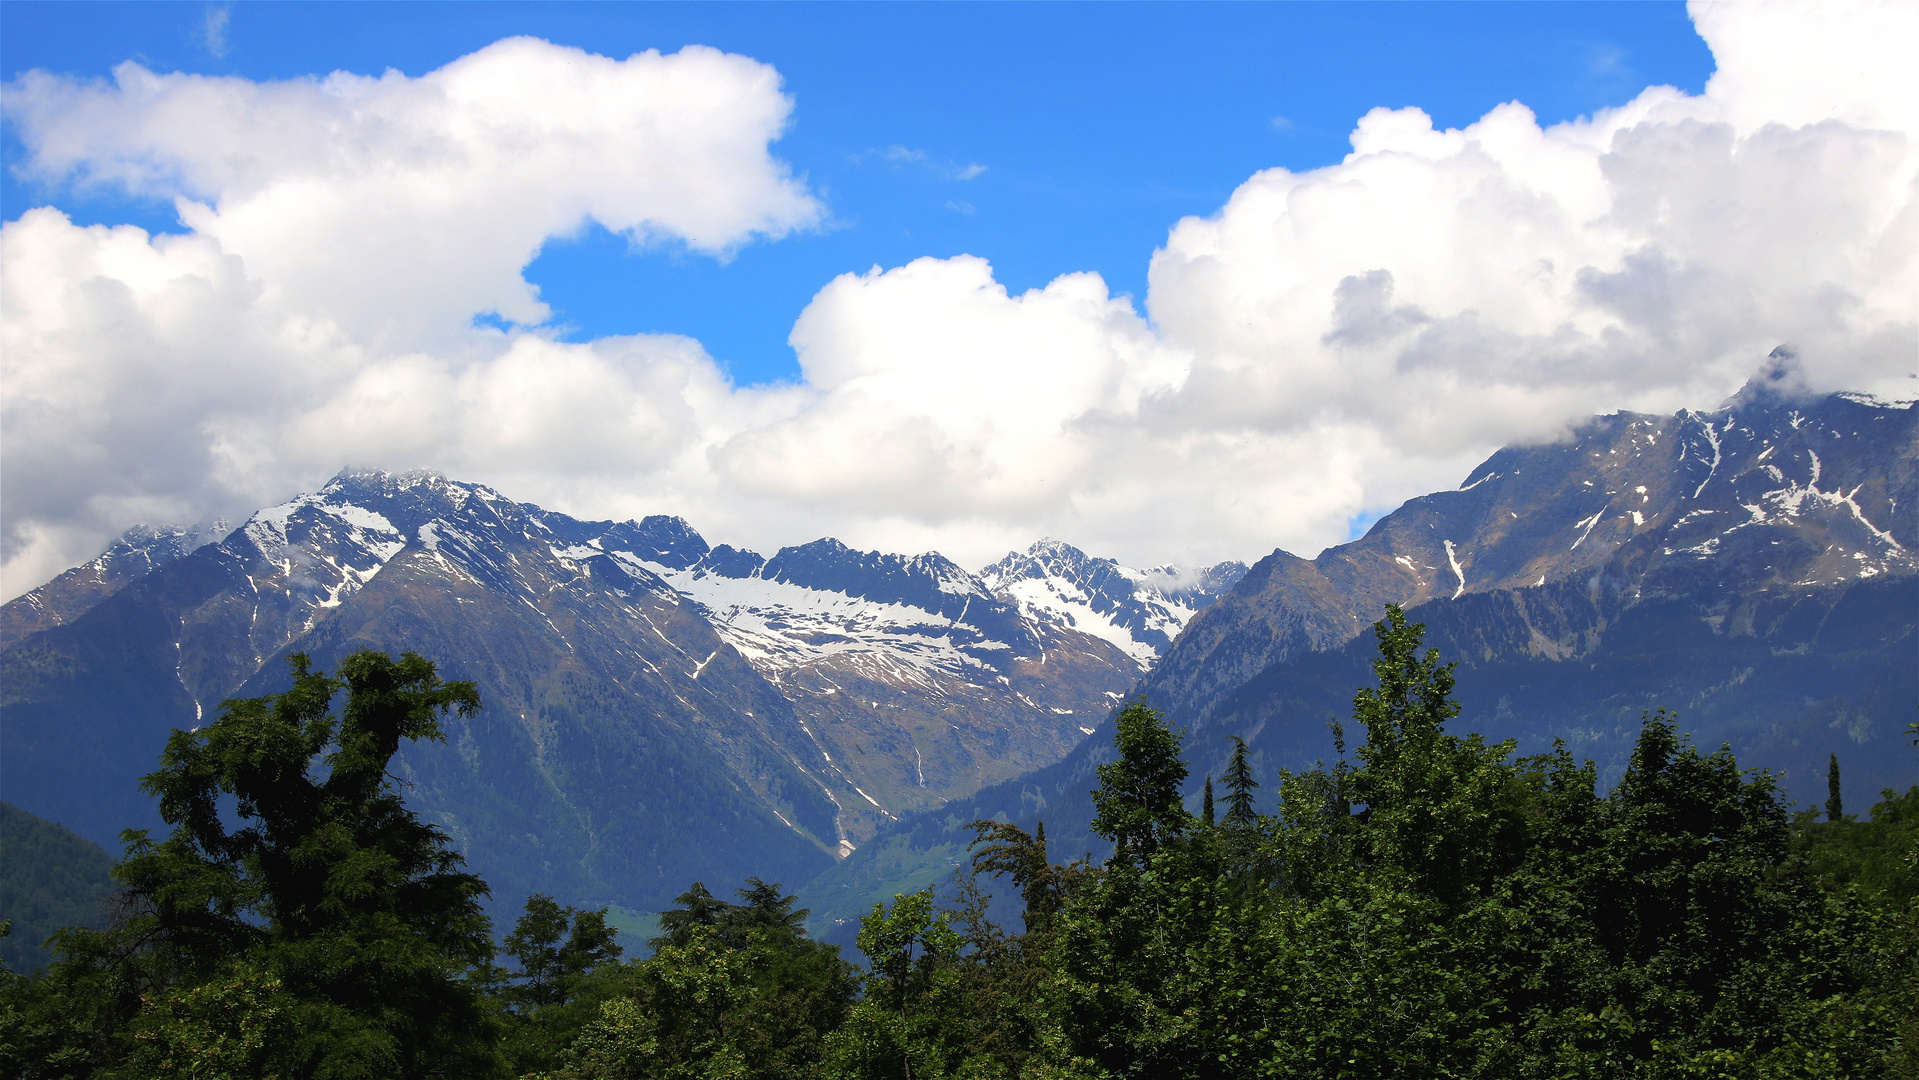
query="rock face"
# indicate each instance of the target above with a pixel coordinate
(1752, 568)
(914, 680)
(1763, 495)
(142, 550)
(657, 710)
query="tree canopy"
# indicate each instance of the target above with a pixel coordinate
(1442, 907)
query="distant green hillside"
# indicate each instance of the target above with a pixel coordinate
(49, 878)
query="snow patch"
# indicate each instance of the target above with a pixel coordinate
(1588, 523)
(1453, 561)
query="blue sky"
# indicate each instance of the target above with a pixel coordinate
(1098, 125)
(1171, 282)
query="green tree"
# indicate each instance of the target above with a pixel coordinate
(1879, 856)
(329, 932)
(1153, 957)
(735, 990)
(1007, 849)
(1835, 807)
(1672, 911)
(1240, 784)
(800, 989)
(1137, 805)
(556, 947)
(698, 908)
(909, 1026)
(1449, 812)
(1483, 914)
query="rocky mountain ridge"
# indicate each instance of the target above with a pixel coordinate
(1752, 567)
(767, 713)
(137, 553)
(1140, 611)
(1767, 492)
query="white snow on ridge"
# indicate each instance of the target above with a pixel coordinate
(1144, 609)
(779, 626)
(1864, 398)
(362, 528)
(359, 517)
(1062, 601)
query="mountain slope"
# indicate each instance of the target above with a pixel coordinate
(140, 551)
(1751, 568)
(1765, 493)
(50, 879)
(913, 682)
(656, 710)
(591, 699)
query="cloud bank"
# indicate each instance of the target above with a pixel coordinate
(1327, 344)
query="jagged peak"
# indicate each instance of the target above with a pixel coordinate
(667, 523)
(728, 561)
(1045, 556)
(353, 479)
(387, 477)
(1047, 546)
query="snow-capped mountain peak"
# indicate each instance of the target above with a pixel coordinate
(1140, 611)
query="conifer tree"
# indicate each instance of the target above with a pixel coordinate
(1835, 809)
(764, 911)
(1239, 781)
(1008, 849)
(556, 946)
(698, 908)
(1206, 807)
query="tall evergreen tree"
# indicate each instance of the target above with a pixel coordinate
(698, 908)
(1206, 805)
(1240, 782)
(1835, 809)
(764, 911)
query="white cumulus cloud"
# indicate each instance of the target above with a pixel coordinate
(1451, 290)
(1326, 344)
(343, 233)
(401, 207)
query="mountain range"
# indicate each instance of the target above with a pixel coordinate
(660, 710)
(657, 710)
(1751, 569)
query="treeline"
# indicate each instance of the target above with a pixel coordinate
(1432, 907)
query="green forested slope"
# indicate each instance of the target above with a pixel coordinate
(49, 878)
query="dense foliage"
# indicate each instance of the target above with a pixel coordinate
(49, 878)
(1437, 907)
